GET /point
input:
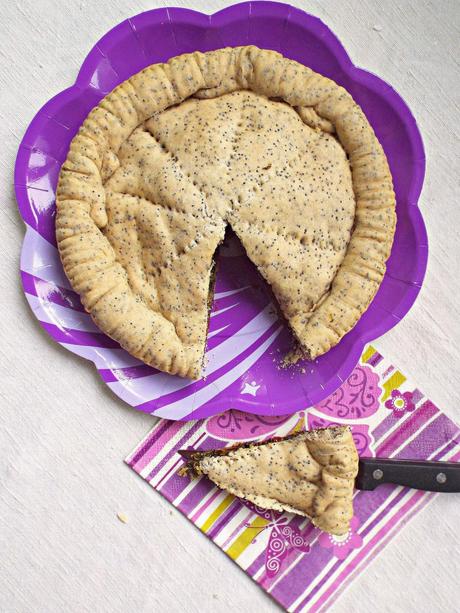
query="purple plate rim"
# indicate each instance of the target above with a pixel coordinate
(83, 85)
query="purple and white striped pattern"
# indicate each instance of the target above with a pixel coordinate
(246, 339)
(305, 581)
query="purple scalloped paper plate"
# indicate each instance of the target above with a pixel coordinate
(246, 338)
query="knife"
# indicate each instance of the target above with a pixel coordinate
(417, 474)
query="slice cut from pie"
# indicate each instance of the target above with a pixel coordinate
(310, 473)
(241, 137)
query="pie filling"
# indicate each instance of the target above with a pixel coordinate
(212, 284)
(240, 137)
(311, 474)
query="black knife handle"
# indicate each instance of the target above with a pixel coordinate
(418, 474)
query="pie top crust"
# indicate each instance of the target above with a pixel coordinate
(238, 136)
(311, 473)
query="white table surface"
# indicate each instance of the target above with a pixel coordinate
(63, 434)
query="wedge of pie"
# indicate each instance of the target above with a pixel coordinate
(310, 473)
(241, 137)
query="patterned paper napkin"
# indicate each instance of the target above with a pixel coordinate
(302, 568)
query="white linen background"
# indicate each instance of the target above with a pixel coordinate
(63, 434)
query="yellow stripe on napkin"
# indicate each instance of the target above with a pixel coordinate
(392, 383)
(246, 537)
(226, 502)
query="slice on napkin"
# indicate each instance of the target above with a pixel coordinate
(311, 473)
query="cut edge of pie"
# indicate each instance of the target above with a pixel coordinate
(309, 473)
(93, 267)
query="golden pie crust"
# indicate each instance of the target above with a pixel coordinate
(239, 136)
(310, 473)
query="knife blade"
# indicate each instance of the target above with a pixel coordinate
(417, 474)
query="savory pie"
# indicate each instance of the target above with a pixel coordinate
(241, 137)
(311, 474)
